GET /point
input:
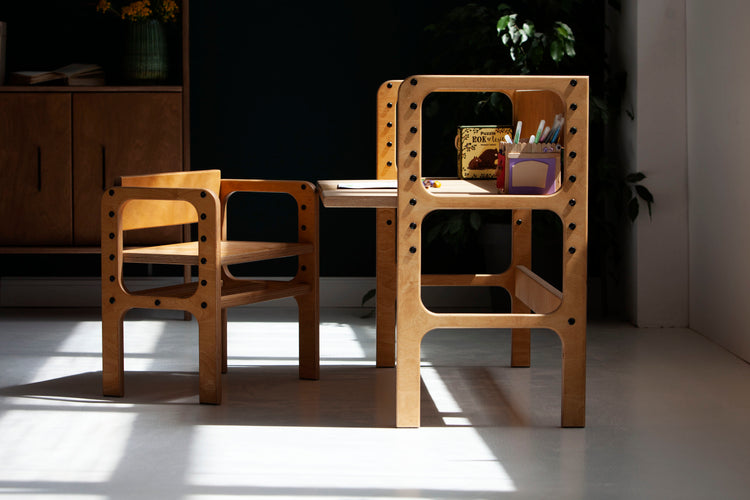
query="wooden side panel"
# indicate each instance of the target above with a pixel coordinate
(117, 134)
(415, 202)
(385, 254)
(386, 127)
(35, 169)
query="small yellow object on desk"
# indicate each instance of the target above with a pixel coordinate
(428, 183)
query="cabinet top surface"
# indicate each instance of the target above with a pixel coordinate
(110, 88)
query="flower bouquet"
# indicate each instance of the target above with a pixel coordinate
(145, 58)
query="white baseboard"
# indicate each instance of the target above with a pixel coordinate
(86, 292)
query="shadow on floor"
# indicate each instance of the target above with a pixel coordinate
(275, 396)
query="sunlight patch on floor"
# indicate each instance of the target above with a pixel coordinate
(39, 448)
(340, 459)
(439, 392)
(277, 344)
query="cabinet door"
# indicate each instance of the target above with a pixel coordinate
(35, 169)
(118, 134)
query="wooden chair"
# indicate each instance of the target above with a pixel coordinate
(201, 197)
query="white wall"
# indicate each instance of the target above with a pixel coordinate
(718, 72)
(651, 35)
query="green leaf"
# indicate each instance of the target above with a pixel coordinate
(635, 177)
(502, 23)
(633, 209)
(368, 295)
(556, 51)
(475, 220)
(432, 234)
(644, 193)
(528, 29)
(453, 226)
(505, 39)
(564, 31)
(570, 50)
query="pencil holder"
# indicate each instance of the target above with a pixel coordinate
(531, 168)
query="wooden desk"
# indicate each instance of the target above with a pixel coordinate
(372, 197)
(400, 214)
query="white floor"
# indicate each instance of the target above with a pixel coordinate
(668, 415)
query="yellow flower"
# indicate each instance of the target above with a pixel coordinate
(103, 6)
(137, 11)
(140, 10)
(168, 10)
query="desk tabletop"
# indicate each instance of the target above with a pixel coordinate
(383, 194)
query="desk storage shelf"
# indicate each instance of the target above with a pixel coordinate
(402, 318)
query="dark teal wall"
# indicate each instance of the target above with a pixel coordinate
(287, 90)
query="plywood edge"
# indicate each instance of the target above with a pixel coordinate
(535, 292)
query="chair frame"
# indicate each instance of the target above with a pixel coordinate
(202, 197)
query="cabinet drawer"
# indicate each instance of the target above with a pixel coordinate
(35, 169)
(118, 134)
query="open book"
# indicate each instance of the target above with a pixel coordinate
(72, 74)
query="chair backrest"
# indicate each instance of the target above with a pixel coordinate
(139, 214)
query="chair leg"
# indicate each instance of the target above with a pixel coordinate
(223, 340)
(309, 336)
(113, 355)
(209, 354)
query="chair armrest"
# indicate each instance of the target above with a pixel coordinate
(305, 193)
(202, 204)
(298, 189)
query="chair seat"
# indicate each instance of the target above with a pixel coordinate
(232, 252)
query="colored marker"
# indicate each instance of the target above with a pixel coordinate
(540, 129)
(557, 130)
(545, 134)
(517, 137)
(554, 128)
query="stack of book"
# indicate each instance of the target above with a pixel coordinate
(72, 74)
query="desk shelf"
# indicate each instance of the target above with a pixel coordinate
(400, 213)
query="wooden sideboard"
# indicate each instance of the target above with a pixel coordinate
(62, 146)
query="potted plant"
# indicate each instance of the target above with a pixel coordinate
(533, 38)
(145, 50)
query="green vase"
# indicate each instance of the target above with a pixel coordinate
(145, 52)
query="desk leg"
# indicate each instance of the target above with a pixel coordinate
(520, 353)
(408, 380)
(574, 375)
(385, 279)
